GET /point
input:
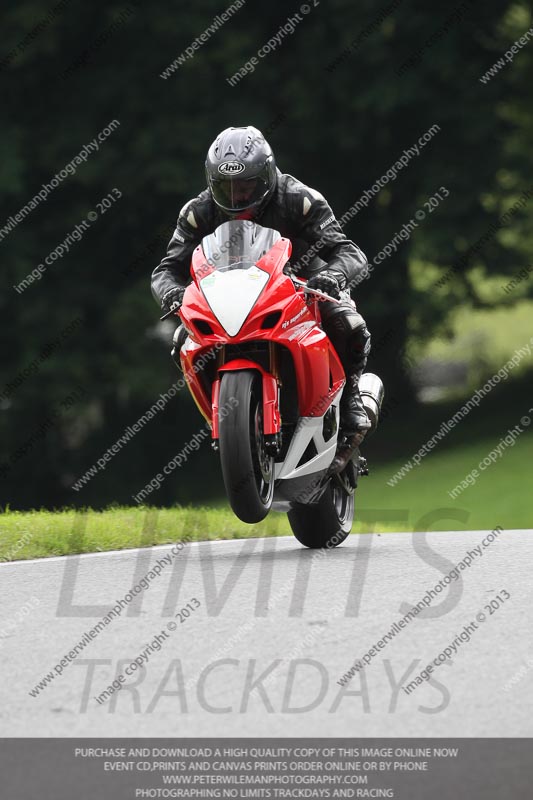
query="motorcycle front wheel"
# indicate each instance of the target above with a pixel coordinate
(247, 468)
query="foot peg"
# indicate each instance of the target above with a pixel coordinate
(362, 466)
(345, 450)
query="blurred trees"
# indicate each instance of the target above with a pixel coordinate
(339, 115)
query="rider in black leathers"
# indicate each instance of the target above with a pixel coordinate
(244, 183)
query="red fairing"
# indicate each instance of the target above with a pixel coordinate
(277, 257)
(319, 374)
(200, 267)
(271, 415)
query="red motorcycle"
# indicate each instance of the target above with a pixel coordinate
(268, 381)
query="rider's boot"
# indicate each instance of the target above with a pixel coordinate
(354, 423)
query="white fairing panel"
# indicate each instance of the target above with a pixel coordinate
(232, 294)
(309, 429)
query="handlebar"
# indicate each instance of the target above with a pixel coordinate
(169, 314)
(323, 295)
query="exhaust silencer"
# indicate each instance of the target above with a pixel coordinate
(372, 393)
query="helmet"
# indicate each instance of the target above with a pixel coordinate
(240, 170)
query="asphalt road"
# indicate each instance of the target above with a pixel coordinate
(270, 629)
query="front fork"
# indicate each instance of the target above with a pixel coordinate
(273, 440)
(271, 396)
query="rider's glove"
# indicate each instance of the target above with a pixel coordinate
(173, 299)
(325, 282)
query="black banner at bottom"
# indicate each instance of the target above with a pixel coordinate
(127, 769)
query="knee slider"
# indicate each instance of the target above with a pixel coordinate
(349, 335)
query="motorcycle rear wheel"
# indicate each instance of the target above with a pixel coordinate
(327, 523)
(247, 469)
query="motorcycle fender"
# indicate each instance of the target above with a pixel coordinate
(271, 415)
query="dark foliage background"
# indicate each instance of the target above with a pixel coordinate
(338, 116)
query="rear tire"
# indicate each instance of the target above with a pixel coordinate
(326, 523)
(247, 469)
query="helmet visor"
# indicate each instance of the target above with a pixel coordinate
(238, 194)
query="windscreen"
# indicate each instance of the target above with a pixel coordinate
(238, 244)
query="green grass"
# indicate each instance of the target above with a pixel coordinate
(501, 496)
(40, 534)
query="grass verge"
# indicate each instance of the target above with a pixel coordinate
(41, 534)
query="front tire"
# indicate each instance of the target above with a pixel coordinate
(247, 469)
(327, 523)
